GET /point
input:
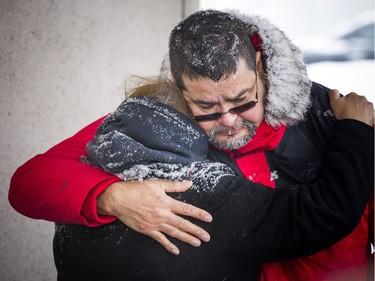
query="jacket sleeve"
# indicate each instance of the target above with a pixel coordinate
(57, 186)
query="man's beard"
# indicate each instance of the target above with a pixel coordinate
(231, 144)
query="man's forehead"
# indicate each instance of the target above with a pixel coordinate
(205, 91)
(243, 72)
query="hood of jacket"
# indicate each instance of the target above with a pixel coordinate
(145, 131)
(288, 87)
(144, 138)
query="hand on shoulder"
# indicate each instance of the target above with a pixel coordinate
(352, 106)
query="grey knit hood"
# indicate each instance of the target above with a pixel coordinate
(142, 130)
(288, 95)
(144, 138)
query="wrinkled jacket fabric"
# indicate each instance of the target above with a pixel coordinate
(280, 156)
(304, 108)
(289, 147)
(240, 231)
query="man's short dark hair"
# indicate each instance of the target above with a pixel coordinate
(209, 44)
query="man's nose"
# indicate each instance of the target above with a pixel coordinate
(228, 119)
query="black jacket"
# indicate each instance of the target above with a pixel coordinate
(252, 224)
(305, 143)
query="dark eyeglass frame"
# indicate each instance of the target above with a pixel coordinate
(234, 110)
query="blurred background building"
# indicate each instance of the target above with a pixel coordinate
(337, 37)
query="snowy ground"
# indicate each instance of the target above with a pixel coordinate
(351, 76)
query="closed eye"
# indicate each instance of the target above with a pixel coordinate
(238, 100)
(207, 107)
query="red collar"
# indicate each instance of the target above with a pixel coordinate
(251, 159)
(265, 138)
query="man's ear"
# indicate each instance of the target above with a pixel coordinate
(259, 63)
(260, 68)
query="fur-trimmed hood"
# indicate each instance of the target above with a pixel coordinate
(288, 97)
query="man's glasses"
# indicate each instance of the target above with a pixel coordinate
(235, 110)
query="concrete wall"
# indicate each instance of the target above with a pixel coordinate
(62, 65)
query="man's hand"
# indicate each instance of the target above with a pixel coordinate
(146, 208)
(352, 106)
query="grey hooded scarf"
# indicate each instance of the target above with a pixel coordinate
(288, 92)
(144, 138)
